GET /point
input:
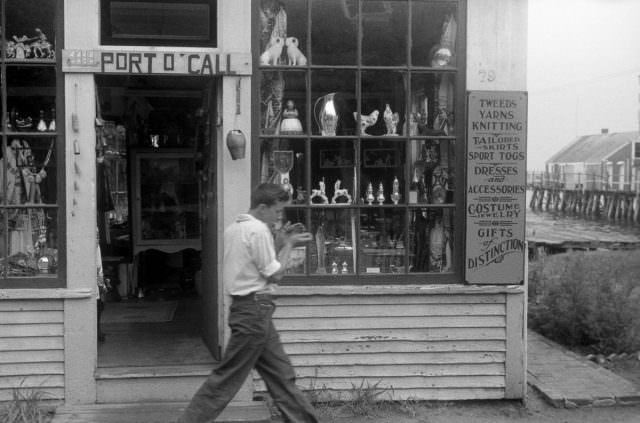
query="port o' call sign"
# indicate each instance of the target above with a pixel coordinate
(496, 187)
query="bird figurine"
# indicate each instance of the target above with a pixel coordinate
(366, 120)
(390, 120)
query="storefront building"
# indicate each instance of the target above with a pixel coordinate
(399, 128)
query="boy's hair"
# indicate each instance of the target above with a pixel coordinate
(268, 194)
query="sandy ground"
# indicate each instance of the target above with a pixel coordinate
(534, 410)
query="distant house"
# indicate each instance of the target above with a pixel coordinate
(607, 161)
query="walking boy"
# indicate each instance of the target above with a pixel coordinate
(250, 266)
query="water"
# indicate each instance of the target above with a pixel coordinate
(558, 226)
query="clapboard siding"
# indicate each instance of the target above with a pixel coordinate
(392, 370)
(424, 346)
(31, 348)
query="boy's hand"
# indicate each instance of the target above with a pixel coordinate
(300, 238)
(285, 233)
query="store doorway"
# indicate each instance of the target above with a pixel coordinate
(156, 171)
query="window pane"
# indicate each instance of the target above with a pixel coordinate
(159, 20)
(30, 23)
(334, 32)
(282, 105)
(431, 240)
(31, 175)
(332, 171)
(382, 233)
(432, 170)
(383, 103)
(283, 161)
(432, 104)
(384, 33)
(334, 232)
(29, 243)
(434, 32)
(31, 97)
(298, 259)
(382, 172)
(333, 102)
(283, 32)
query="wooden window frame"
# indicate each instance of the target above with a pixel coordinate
(57, 280)
(457, 275)
(107, 38)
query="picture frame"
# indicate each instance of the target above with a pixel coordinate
(335, 158)
(380, 157)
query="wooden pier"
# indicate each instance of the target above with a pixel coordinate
(610, 205)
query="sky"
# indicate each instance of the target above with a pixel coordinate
(583, 70)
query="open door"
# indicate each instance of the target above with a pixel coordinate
(209, 199)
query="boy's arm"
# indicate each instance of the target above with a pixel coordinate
(289, 240)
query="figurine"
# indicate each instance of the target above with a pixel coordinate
(334, 268)
(271, 55)
(290, 124)
(318, 196)
(370, 197)
(345, 269)
(380, 195)
(22, 52)
(287, 187)
(390, 120)
(395, 193)
(41, 47)
(295, 56)
(340, 195)
(366, 120)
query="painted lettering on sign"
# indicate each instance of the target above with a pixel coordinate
(155, 62)
(163, 63)
(496, 188)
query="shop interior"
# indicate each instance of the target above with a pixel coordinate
(152, 148)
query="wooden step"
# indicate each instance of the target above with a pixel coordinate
(154, 384)
(247, 412)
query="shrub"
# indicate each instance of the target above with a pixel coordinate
(587, 299)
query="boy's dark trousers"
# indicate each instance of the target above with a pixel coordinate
(254, 343)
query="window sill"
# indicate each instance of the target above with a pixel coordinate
(46, 294)
(350, 290)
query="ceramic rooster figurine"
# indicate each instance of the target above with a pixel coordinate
(390, 120)
(366, 120)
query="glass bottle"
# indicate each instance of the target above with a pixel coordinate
(413, 187)
(52, 123)
(42, 126)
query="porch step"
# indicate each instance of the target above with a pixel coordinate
(247, 412)
(119, 385)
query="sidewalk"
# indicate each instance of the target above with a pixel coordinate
(569, 380)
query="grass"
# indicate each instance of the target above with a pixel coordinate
(26, 407)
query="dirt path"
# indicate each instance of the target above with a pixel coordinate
(536, 410)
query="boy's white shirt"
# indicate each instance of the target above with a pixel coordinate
(249, 256)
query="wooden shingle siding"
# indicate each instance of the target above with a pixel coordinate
(31, 348)
(426, 346)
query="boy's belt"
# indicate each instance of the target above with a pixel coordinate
(254, 296)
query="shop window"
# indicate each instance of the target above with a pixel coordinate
(31, 168)
(359, 101)
(152, 22)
